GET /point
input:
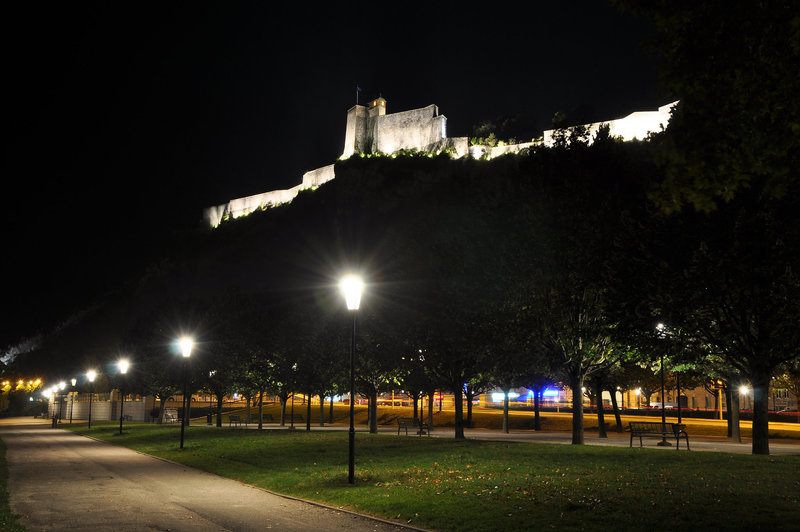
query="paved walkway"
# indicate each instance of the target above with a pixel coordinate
(616, 439)
(62, 481)
(777, 446)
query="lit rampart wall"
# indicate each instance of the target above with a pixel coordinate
(422, 129)
(636, 125)
(418, 128)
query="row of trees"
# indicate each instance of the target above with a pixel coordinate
(549, 266)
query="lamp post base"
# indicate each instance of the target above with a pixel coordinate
(664, 443)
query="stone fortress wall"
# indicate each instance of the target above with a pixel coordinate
(370, 130)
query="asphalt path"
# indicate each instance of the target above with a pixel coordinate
(59, 480)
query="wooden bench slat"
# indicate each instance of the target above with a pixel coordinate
(406, 422)
(657, 429)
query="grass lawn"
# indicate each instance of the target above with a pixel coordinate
(8, 520)
(446, 484)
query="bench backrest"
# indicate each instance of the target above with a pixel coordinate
(651, 426)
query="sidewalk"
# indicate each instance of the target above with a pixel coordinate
(62, 481)
(59, 480)
(778, 446)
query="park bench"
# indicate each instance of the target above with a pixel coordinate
(296, 417)
(406, 422)
(237, 420)
(653, 429)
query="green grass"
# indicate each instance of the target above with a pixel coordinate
(8, 520)
(446, 484)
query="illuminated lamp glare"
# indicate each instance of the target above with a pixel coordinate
(186, 347)
(351, 287)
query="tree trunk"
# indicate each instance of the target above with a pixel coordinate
(617, 416)
(505, 411)
(601, 413)
(322, 409)
(728, 407)
(247, 400)
(161, 407)
(414, 398)
(373, 412)
(470, 396)
(308, 412)
(459, 412)
(733, 415)
(760, 413)
(330, 412)
(537, 423)
(576, 383)
(260, 409)
(220, 399)
(430, 411)
(283, 400)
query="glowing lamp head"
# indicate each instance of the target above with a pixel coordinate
(743, 390)
(123, 366)
(74, 381)
(91, 374)
(186, 347)
(351, 287)
(62, 385)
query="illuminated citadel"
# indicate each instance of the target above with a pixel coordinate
(370, 130)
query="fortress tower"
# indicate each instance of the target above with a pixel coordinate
(361, 128)
(369, 130)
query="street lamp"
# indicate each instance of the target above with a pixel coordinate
(743, 392)
(351, 287)
(61, 386)
(123, 369)
(186, 345)
(90, 375)
(663, 442)
(72, 399)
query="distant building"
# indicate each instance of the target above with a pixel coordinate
(371, 130)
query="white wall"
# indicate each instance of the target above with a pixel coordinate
(636, 125)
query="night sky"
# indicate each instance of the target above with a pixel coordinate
(123, 120)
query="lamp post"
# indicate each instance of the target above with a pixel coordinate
(186, 351)
(61, 386)
(72, 399)
(90, 375)
(123, 369)
(351, 287)
(663, 442)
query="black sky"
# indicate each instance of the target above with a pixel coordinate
(123, 120)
